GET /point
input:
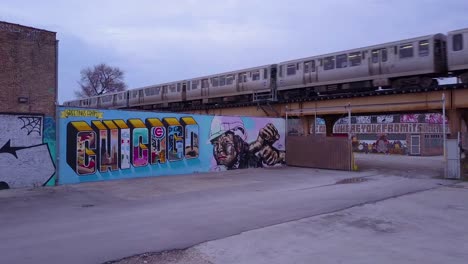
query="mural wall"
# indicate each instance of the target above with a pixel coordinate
(386, 134)
(27, 148)
(111, 144)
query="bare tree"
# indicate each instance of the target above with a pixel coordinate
(100, 80)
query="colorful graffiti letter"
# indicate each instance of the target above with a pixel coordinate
(175, 139)
(158, 140)
(140, 141)
(191, 137)
(81, 156)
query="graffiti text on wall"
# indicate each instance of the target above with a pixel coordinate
(117, 144)
(394, 128)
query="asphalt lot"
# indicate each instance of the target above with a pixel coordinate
(104, 221)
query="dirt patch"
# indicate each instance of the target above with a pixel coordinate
(185, 256)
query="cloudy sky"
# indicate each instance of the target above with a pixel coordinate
(158, 41)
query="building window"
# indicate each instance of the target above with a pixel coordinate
(406, 51)
(457, 42)
(329, 63)
(354, 59)
(291, 69)
(423, 48)
(342, 61)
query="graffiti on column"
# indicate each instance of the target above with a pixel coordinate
(25, 157)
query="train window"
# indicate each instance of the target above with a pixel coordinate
(194, 84)
(242, 77)
(329, 63)
(229, 79)
(165, 89)
(320, 62)
(406, 51)
(255, 75)
(179, 85)
(364, 54)
(280, 73)
(265, 74)
(222, 80)
(157, 90)
(375, 56)
(309, 66)
(342, 61)
(306, 67)
(457, 42)
(135, 93)
(172, 87)
(291, 69)
(214, 82)
(297, 66)
(204, 83)
(384, 54)
(423, 48)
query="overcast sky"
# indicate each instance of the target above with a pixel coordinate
(159, 41)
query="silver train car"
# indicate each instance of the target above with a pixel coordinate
(457, 43)
(405, 63)
(231, 86)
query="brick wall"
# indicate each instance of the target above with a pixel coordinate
(27, 69)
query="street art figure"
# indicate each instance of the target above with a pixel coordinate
(231, 150)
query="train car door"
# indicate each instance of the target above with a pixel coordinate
(242, 80)
(184, 91)
(205, 87)
(310, 73)
(141, 96)
(375, 66)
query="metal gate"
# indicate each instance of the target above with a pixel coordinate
(415, 148)
(453, 166)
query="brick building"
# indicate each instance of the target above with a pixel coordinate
(28, 69)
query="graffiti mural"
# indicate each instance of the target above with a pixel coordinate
(112, 144)
(27, 148)
(233, 150)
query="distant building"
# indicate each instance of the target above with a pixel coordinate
(28, 70)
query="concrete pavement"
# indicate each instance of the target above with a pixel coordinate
(424, 227)
(98, 222)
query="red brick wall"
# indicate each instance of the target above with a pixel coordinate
(27, 69)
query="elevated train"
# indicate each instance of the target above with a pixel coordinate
(410, 62)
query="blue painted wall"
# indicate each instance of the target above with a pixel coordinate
(98, 145)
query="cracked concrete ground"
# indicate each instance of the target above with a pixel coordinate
(403, 211)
